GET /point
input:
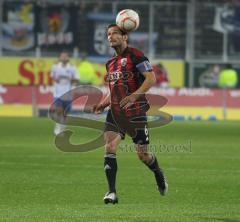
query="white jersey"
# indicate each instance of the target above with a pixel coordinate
(64, 74)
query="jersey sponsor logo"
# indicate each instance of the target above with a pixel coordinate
(114, 76)
(124, 62)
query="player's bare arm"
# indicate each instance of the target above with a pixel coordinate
(149, 81)
(99, 108)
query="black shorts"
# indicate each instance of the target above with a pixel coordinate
(136, 127)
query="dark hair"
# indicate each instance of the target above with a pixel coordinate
(115, 25)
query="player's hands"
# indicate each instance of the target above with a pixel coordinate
(97, 109)
(128, 101)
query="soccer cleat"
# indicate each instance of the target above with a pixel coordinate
(59, 128)
(163, 188)
(110, 197)
(161, 182)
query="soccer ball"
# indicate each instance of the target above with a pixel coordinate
(127, 20)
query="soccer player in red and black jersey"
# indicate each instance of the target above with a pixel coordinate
(130, 76)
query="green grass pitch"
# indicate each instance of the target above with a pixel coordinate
(40, 183)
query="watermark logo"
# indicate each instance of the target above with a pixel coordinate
(160, 147)
(94, 95)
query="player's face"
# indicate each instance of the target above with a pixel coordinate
(115, 37)
(64, 57)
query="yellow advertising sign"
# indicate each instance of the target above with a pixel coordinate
(175, 70)
(16, 110)
(26, 71)
(29, 71)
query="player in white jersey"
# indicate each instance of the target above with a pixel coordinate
(65, 76)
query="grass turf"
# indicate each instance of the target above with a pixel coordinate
(40, 183)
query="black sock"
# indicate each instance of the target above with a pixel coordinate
(154, 167)
(110, 167)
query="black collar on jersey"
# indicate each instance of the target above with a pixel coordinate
(123, 53)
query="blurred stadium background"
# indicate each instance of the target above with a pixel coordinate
(188, 42)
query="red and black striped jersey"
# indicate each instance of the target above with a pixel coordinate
(124, 76)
